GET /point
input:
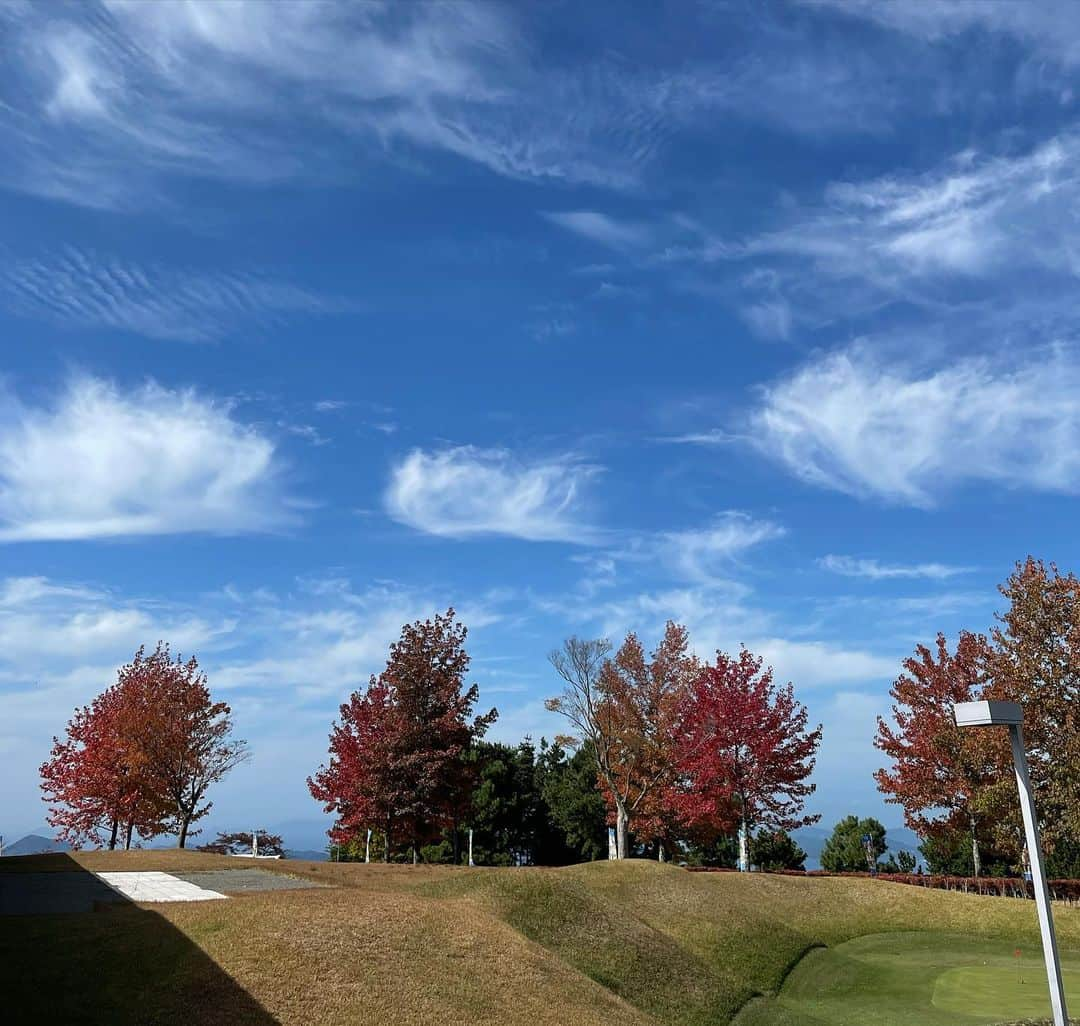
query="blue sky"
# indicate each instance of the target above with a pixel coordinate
(318, 319)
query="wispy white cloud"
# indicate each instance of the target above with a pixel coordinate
(859, 422)
(724, 615)
(1051, 28)
(942, 239)
(141, 91)
(850, 566)
(705, 553)
(466, 491)
(106, 100)
(101, 462)
(84, 289)
(603, 228)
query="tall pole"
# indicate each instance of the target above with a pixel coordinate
(1038, 877)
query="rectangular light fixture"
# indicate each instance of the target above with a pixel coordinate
(987, 714)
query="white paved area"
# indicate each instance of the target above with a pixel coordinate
(157, 887)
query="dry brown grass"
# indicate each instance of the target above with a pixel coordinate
(345, 956)
(633, 942)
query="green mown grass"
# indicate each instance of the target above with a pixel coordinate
(912, 979)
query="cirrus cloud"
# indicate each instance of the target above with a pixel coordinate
(466, 491)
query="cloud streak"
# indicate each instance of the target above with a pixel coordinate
(83, 289)
(874, 570)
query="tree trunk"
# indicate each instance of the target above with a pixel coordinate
(660, 852)
(457, 844)
(182, 840)
(415, 857)
(744, 848)
(622, 830)
(975, 860)
(112, 839)
(127, 836)
(386, 841)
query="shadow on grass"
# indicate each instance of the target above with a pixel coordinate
(74, 951)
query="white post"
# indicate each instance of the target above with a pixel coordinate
(989, 713)
(1038, 877)
(367, 846)
(471, 863)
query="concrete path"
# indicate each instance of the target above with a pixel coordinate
(152, 887)
(43, 894)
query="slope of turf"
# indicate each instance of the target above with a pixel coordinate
(695, 948)
(905, 979)
(638, 943)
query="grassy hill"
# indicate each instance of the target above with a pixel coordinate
(636, 942)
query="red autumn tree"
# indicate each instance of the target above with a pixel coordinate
(396, 757)
(944, 778)
(360, 784)
(185, 736)
(745, 752)
(95, 779)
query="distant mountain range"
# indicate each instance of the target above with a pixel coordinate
(35, 844)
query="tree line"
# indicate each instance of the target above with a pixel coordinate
(675, 754)
(703, 761)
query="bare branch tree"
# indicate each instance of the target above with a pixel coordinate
(580, 663)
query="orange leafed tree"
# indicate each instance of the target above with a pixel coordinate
(947, 780)
(186, 737)
(1037, 663)
(627, 708)
(141, 756)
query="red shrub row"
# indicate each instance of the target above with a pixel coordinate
(997, 886)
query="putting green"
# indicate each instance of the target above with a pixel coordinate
(1004, 992)
(913, 979)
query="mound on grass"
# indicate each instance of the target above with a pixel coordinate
(638, 943)
(696, 948)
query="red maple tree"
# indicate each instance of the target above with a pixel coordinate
(396, 756)
(946, 779)
(95, 779)
(745, 752)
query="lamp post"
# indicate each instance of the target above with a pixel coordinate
(1009, 714)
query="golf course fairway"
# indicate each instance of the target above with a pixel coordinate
(904, 979)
